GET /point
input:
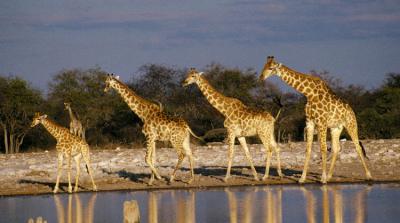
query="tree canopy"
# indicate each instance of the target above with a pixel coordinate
(107, 119)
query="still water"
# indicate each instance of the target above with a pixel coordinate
(269, 204)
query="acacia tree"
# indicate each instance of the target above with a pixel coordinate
(19, 101)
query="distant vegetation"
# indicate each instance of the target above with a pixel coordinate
(108, 119)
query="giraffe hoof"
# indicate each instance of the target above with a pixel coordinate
(76, 189)
(226, 179)
(190, 181)
(302, 180)
(324, 179)
(55, 191)
(369, 177)
(94, 188)
(265, 178)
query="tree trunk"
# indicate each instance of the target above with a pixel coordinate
(11, 143)
(5, 139)
(19, 141)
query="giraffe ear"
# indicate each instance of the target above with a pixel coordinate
(117, 77)
(44, 116)
(201, 73)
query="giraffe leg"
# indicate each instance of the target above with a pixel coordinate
(59, 170)
(231, 142)
(310, 135)
(353, 132)
(78, 171)
(278, 156)
(322, 141)
(181, 156)
(188, 152)
(69, 173)
(335, 134)
(264, 139)
(243, 143)
(86, 158)
(151, 145)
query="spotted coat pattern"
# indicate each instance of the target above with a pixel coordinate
(240, 121)
(323, 110)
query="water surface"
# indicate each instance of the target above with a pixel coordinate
(269, 204)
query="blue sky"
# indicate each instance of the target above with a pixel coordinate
(357, 41)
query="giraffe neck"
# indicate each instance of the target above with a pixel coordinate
(71, 114)
(216, 99)
(303, 83)
(142, 107)
(55, 130)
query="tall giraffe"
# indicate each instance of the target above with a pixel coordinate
(68, 145)
(156, 126)
(75, 126)
(323, 110)
(240, 121)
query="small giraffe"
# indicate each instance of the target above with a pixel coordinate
(75, 126)
(323, 110)
(157, 126)
(240, 121)
(68, 145)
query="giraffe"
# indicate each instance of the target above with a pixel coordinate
(68, 145)
(323, 110)
(240, 121)
(75, 126)
(157, 126)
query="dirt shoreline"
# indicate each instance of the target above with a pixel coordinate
(125, 169)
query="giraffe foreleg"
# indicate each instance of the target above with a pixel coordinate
(151, 144)
(78, 171)
(243, 143)
(59, 170)
(310, 135)
(231, 142)
(322, 140)
(69, 172)
(335, 135)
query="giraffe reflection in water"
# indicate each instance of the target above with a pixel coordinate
(333, 199)
(330, 206)
(75, 211)
(182, 204)
(259, 204)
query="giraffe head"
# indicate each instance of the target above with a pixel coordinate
(38, 119)
(193, 76)
(110, 81)
(67, 105)
(271, 67)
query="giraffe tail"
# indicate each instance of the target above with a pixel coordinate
(363, 150)
(194, 135)
(87, 168)
(277, 115)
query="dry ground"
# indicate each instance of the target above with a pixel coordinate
(123, 168)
